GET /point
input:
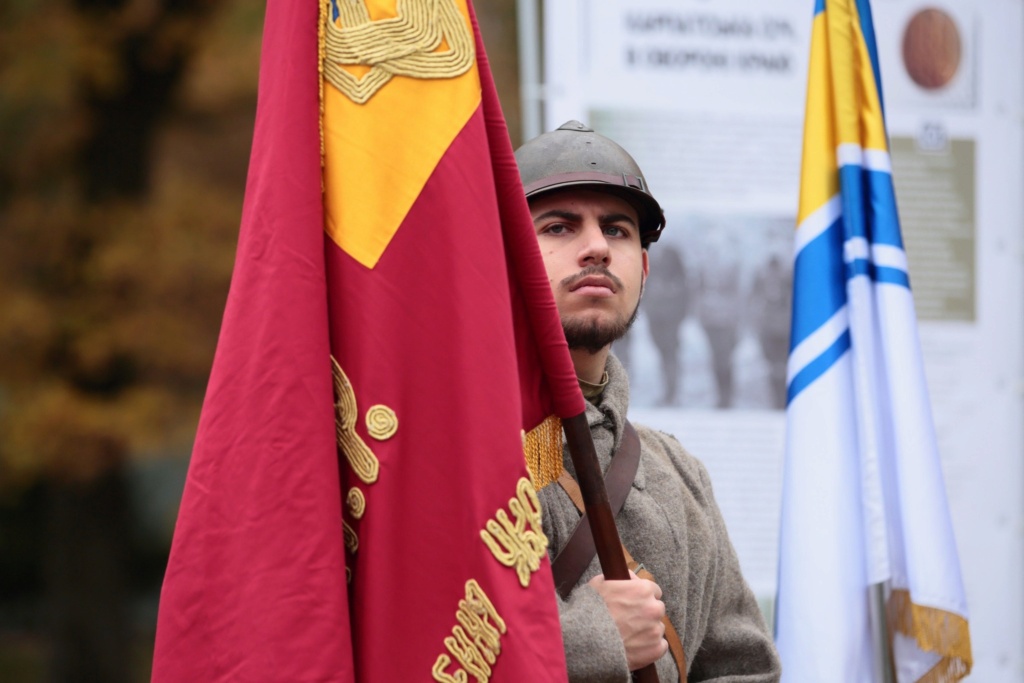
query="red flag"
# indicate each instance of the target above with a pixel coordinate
(376, 523)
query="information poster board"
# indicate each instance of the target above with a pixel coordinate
(708, 96)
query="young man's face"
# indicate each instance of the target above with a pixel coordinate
(590, 241)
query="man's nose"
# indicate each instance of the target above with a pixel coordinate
(594, 245)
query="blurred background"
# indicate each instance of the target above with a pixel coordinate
(125, 128)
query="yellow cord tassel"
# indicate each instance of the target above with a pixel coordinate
(937, 631)
(542, 447)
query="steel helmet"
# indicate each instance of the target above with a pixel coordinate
(574, 155)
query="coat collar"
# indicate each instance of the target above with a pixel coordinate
(609, 413)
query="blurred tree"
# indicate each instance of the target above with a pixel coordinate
(125, 128)
(497, 20)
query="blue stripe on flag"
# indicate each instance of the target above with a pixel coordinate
(858, 267)
(819, 7)
(819, 283)
(867, 28)
(851, 180)
(883, 274)
(874, 216)
(886, 227)
(819, 366)
(891, 276)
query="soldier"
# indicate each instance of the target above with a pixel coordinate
(719, 301)
(770, 299)
(595, 219)
(666, 307)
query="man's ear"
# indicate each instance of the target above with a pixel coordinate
(645, 273)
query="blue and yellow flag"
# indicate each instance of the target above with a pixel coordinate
(864, 501)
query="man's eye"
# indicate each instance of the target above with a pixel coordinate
(556, 229)
(614, 231)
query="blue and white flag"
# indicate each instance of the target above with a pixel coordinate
(863, 495)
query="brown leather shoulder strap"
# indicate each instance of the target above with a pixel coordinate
(574, 557)
(571, 488)
(675, 644)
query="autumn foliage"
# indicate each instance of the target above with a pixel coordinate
(125, 128)
(124, 138)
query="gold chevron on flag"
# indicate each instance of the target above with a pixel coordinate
(398, 87)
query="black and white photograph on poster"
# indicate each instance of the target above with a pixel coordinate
(713, 327)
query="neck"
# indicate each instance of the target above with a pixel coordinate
(590, 366)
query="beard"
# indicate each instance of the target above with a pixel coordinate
(591, 335)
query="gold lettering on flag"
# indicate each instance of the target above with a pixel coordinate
(426, 39)
(362, 460)
(475, 642)
(520, 544)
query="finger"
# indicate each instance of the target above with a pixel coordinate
(658, 612)
(639, 657)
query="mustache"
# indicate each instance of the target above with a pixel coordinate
(594, 269)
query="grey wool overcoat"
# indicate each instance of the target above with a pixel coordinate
(671, 524)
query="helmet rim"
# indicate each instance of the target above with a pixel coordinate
(576, 156)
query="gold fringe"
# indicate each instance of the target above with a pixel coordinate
(321, 37)
(946, 671)
(934, 630)
(542, 448)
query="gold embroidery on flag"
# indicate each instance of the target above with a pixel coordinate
(475, 642)
(351, 539)
(362, 460)
(356, 502)
(381, 422)
(427, 39)
(935, 630)
(321, 46)
(520, 544)
(542, 448)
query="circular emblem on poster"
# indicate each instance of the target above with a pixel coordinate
(931, 48)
